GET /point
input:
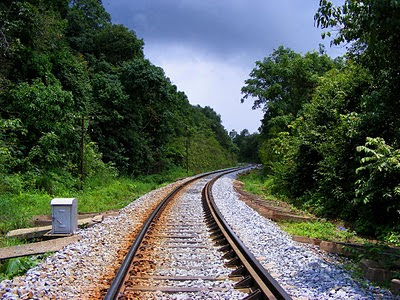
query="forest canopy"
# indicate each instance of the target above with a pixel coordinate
(74, 83)
(330, 136)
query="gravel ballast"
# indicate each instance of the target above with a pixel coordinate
(302, 270)
(171, 258)
(82, 269)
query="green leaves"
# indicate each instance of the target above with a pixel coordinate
(248, 145)
(116, 44)
(330, 132)
(47, 120)
(16, 267)
(379, 173)
(371, 27)
(85, 19)
(283, 82)
(64, 61)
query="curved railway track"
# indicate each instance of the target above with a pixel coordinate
(186, 246)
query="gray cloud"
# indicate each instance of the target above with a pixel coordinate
(208, 47)
(222, 27)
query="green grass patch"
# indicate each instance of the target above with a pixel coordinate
(254, 182)
(8, 242)
(115, 195)
(98, 195)
(16, 210)
(323, 230)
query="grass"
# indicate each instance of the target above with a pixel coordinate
(115, 195)
(16, 210)
(323, 230)
(8, 242)
(255, 183)
(98, 195)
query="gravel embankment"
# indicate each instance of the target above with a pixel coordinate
(303, 271)
(188, 215)
(81, 269)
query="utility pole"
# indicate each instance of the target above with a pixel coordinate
(82, 149)
(187, 155)
(187, 150)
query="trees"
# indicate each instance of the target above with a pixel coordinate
(116, 44)
(248, 145)
(85, 19)
(46, 116)
(131, 119)
(282, 83)
(331, 127)
(326, 136)
(213, 120)
(371, 28)
(378, 185)
(64, 62)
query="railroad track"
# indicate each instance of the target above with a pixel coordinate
(186, 247)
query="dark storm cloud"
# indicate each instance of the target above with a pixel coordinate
(221, 27)
(208, 47)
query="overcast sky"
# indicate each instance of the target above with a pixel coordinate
(208, 47)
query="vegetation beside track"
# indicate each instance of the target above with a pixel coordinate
(98, 194)
(76, 112)
(330, 138)
(80, 119)
(329, 230)
(18, 266)
(323, 230)
(255, 183)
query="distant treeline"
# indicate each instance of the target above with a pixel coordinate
(330, 138)
(69, 77)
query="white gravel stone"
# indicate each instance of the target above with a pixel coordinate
(188, 211)
(301, 270)
(79, 268)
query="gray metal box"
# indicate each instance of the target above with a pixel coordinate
(64, 215)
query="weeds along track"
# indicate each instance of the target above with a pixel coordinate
(186, 250)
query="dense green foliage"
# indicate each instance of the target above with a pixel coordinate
(68, 72)
(17, 266)
(73, 82)
(247, 145)
(100, 193)
(330, 134)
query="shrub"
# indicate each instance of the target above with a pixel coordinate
(378, 187)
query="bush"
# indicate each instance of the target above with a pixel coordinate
(378, 186)
(17, 266)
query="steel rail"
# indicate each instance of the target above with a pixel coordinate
(264, 286)
(113, 291)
